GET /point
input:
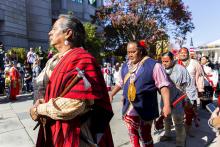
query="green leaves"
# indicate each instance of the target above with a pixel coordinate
(93, 42)
(17, 53)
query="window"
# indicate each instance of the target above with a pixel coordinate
(92, 2)
(78, 1)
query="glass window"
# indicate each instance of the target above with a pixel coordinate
(78, 1)
(92, 2)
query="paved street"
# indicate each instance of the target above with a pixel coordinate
(16, 126)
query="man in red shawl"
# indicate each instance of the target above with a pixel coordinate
(15, 82)
(76, 114)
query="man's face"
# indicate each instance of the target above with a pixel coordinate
(183, 54)
(134, 54)
(166, 62)
(56, 35)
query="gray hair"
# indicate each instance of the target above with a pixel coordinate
(78, 37)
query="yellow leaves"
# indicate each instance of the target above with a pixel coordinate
(161, 47)
(17, 53)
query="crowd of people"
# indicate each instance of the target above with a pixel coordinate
(110, 73)
(19, 78)
(74, 94)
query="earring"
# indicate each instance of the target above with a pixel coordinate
(66, 42)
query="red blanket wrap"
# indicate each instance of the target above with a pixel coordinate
(15, 84)
(67, 133)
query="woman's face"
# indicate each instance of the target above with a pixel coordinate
(134, 54)
(56, 35)
(203, 60)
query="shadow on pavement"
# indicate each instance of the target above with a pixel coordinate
(203, 135)
(20, 98)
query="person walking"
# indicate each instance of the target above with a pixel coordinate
(31, 56)
(210, 81)
(106, 71)
(15, 82)
(179, 79)
(195, 90)
(140, 79)
(35, 73)
(76, 105)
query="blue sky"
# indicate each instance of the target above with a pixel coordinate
(206, 18)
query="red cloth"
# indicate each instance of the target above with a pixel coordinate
(191, 114)
(105, 71)
(180, 62)
(218, 100)
(15, 84)
(67, 133)
(138, 130)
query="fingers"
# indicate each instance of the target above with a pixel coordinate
(41, 101)
(166, 111)
(111, 98)
(165, 115)
(38, 102)
(33, 113)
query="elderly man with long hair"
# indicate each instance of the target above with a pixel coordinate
(72, 113)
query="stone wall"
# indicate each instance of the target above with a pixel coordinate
(26, 23)
(38, 22)
(13, 27)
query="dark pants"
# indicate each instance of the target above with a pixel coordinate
(2, 85)
(28, 86)
(207, 96)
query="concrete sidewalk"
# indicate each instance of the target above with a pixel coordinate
(16, 126)
(204, 135)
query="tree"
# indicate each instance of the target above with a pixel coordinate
(93, 42)
(17, 54)
(151, 20)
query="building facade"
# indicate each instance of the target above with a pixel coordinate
(82, 9)
(211, 49)
(26, 23)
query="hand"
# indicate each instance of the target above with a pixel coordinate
(38, 102)
(215, 113)
(33, 113)
(200, 94)
(166, 111)
(111, 98)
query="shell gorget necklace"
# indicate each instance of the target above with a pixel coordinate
(131, 88)
(133, 67)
